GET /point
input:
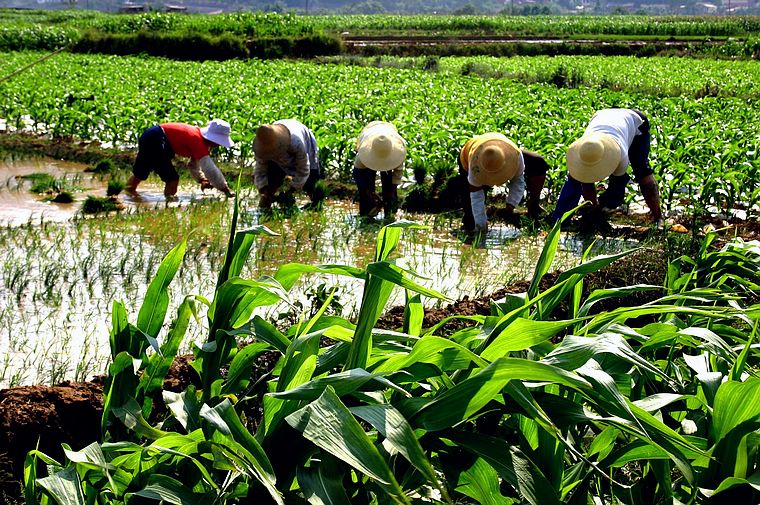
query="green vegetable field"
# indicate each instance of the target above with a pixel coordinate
(249, 357)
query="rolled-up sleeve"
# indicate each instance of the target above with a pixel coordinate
(213, 174)
(516, 187)
(260, 174)
(195, 170)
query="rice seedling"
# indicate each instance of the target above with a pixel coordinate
(99, 205)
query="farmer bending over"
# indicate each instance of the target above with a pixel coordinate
(613, 139)
(285, 152)
(379, 149)
(159, 144)
(492, 159)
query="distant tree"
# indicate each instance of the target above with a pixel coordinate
(366, 7)
(276, 6)
(465, 10)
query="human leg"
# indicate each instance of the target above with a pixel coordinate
(614, 195)
(463, 187)
(170, 188)
(275, 178)
(569, 197)
(651, 194)
(369, 202)
(534, 185)
(390, 194)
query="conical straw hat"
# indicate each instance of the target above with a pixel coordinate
(494, 162)
(593, 157)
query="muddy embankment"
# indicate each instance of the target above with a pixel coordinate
(418, 45)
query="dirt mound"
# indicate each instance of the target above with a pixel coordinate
(68, 413)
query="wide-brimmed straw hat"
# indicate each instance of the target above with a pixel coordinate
(218, 132)
(593, 157)
(270, 140)
(382, 148)
(494, 162)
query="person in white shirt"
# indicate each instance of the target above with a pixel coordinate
(614, 139)
(379, 148)
(285, 151)
(490, 160)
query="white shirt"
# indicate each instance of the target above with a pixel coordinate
(622, 125)
(297, 161)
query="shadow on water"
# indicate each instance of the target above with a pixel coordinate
(60, 276)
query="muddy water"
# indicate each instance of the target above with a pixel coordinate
(60, 275)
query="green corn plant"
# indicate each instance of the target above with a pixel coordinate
(651, 403)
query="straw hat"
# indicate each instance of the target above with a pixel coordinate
(218, 132)
(494, 162)
(270, 140)
(382, 148)
(593, 157)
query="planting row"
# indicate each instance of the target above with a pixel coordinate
(651, 76)
(703, 150)
(268, 24)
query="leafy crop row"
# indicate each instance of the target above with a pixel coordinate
(703, 149)
(269, 24)
(651, 76)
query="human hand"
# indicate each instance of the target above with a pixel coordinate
(205, 184)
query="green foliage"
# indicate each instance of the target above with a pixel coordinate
(43, 183)
(99, 204)
(656, 402)
(114, 187)
(718, 176)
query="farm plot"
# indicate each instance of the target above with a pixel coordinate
(560, 394)
(58, 280)
(703, 149)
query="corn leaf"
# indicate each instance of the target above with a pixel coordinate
(64, 486)
(156, 302)
(399, 435)
(328, 424)
(468, 397)
(322, 484)
(169, 490)
(511, 464)
(481, 483)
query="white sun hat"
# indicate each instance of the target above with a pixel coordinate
(593, 157)
(381, 148)
(218, 132)
(494, 162)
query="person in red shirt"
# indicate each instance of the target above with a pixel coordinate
(159, 144)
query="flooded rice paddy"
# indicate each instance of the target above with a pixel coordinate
(60, 271)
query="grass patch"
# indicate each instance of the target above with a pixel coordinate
(98, 204)
(104, 166)
(43, 183)
(63, 197)
(114, 187)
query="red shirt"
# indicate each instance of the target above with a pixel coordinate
(186, 140)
